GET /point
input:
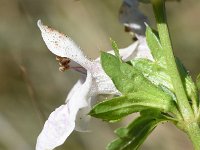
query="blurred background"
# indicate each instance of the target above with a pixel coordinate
(31, 85)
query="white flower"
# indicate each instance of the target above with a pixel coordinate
(62, 121)
(94, 81)
(134, 21)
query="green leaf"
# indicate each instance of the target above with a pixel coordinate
(198, 82)
(116, 49)
(122, 75)
(168, 91)
(126, 78)
(132, 136)
(151, 112)
(190, 87)
(153, 72)
(154, 45)
(116, 108)
(159, 76)
(156, 113)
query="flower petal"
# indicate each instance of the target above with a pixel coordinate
(101, 84)
(63, 46)
(56, 129)
(127, 53)
(138, 49)
(143, 50)
(80, 97)
(75, 88)
(83, 119)
(61, 122)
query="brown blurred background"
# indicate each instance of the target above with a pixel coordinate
(29, 76)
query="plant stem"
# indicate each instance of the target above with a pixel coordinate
(183, 103)
(193, 131)
(189, 124)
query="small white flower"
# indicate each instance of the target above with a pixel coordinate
(134, 21)
(94, 81)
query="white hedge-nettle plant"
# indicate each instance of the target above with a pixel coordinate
(145, 77)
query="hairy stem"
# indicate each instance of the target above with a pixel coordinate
(189, 124)
(182, 100)
(193, 131)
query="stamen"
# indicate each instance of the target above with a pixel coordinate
(64, 65)
(63, 62)
(62, 69)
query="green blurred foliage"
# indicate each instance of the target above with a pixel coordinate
(29, 76)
